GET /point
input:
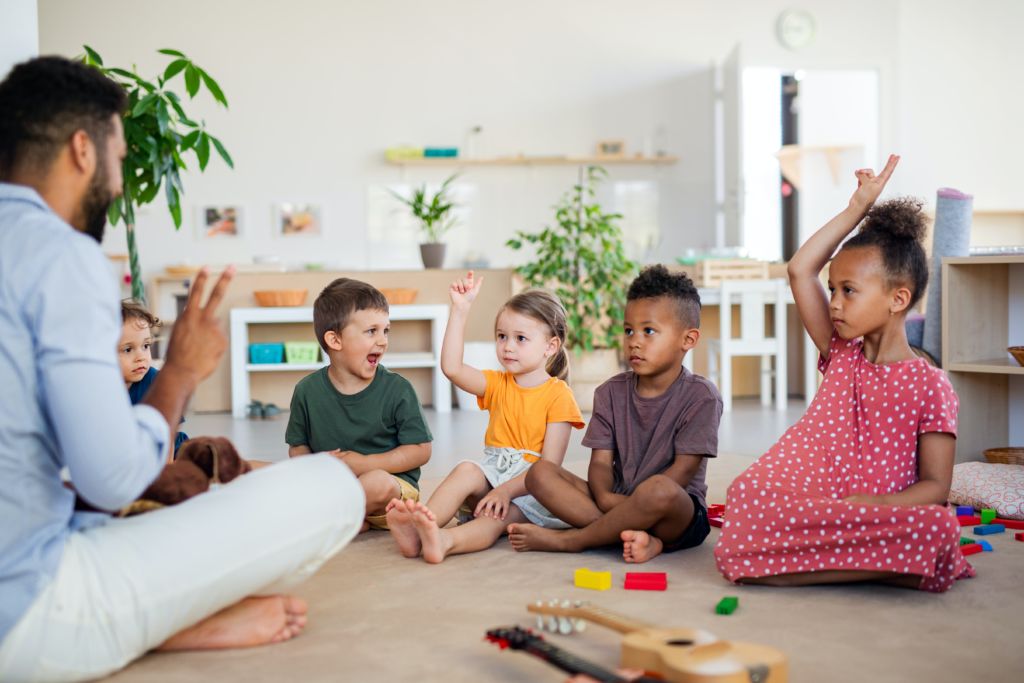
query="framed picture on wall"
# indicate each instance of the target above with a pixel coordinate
(219, 221)
(298, 219)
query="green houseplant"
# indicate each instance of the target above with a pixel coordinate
(434, 215)
(581, 258)
(158, 134)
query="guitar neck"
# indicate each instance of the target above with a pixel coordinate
(570, 663)
(597, 615)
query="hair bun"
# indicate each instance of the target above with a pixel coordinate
(900, 218)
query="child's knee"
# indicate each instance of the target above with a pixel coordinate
(379, 487)
(467, 471)
(539, 473)
(660, 493)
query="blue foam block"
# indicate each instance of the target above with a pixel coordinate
(964, 510)
(989, 529)
(986, 546)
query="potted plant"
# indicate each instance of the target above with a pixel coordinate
(581, 258)
(434, 215)
(158, 133)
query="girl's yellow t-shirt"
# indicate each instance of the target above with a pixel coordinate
(520, 415)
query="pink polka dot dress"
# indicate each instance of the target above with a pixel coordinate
(785, 513)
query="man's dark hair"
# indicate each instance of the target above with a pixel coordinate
(897, 227)
(339, 300)
(655, 281)
(44, 101)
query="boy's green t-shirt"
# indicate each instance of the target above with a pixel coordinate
(380, 418)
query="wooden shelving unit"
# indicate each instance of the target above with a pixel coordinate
(554, 160)
(982, 314)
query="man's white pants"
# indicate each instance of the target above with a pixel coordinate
(127, 586)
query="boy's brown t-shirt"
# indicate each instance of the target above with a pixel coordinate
(645, 434)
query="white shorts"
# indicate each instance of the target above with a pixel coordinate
(127, 586)
(501, 464)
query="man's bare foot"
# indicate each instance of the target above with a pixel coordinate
(247, 623)
(640, 546)
(400, 525)
(434, 542)
(525, 537)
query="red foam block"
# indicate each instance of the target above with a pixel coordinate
(646, 581)
(971, 548)
(1019, 535)
(715, 522)
(1009, 523)
(973, 520)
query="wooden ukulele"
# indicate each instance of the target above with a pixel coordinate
(515, 638)
(680, 655)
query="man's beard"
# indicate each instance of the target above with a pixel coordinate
(95, 204)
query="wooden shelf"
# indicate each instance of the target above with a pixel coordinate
(994, 366)
(535, 161)
(422, 359)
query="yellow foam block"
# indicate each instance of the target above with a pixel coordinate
(597, 581)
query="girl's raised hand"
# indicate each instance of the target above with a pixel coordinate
(869, 185)
(463, 292)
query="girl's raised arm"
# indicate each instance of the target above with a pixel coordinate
(812, 302)
(462, 293)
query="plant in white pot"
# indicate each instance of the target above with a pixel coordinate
(434, 213)
(582, 259)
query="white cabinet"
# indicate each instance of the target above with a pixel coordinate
(242, 318)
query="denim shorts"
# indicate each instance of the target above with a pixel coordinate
(694, 534)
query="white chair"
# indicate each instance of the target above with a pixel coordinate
(753, 296)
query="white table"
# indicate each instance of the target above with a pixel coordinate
(712, 296)
(241, 318)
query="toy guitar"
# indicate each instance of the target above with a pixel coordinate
(680, 655)
(515, 638)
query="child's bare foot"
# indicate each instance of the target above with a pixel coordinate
(434, 542)
(640, 546)
(249, 622)
(400, 525)
(525, 537)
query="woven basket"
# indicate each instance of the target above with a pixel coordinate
(398, 296)
(1005, 456)
(281, 297)
(1018, 353)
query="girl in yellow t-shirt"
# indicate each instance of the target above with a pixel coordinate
(532, 412)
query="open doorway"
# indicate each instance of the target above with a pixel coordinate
(804, 133)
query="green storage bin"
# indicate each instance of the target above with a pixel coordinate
(301, 352)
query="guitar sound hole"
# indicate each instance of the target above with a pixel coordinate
(680, 642)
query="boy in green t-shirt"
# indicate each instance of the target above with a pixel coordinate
(357, 410)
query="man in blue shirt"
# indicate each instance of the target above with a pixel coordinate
(82, 594)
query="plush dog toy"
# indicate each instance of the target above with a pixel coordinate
(200, 462)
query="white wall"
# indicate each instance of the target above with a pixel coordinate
(319, 88)
(19, 33)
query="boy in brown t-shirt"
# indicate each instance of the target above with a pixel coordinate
(652, 431)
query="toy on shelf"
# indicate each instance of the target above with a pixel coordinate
(596, 581)
(989, 529)
(727, 605)
(646, 581)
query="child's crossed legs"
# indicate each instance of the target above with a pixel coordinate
(418, 529)
(657, 513)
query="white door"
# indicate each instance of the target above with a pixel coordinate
(729, 150)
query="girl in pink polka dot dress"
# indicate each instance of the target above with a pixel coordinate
(856, 490)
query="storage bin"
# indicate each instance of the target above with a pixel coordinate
(301, 352)
(260, 354)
